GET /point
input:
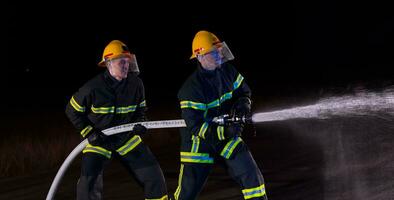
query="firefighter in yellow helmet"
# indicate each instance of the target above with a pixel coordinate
(215, 90)
(112, 98)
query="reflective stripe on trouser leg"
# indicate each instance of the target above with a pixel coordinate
(165, 197)
(130, 145)
(192, 178)
(245, 171)
(255, 192)
(97, 149)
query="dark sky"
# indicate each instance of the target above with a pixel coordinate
(280, 47)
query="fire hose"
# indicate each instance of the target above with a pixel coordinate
(124, 128)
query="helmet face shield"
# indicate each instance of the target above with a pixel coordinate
(219, 54)
(224, 52)
(131, 59)
(133, 64)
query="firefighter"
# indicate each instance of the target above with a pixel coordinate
(112, 98)
(213, 90)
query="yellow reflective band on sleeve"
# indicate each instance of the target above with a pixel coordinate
(103, 110)
(130, 145)
(142, 104)
(178, 189)
(230, 146)
(86, 130)
(203, 129)
(193, 105)
(196, 144)
(196, 157)
(238, 82)
(97, 149)
(220, 132)
(123, 110)
(254, 192)
(165, 197)
(76, 106)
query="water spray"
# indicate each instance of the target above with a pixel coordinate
(361, 104)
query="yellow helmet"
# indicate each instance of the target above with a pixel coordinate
(114, 49)
(203, 43)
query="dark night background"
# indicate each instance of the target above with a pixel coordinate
(290, 52)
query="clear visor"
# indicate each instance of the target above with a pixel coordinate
(134, 64)
(225, 52)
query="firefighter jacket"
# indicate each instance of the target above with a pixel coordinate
(208, 94)
(104, 102)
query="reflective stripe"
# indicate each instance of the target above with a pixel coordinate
(143, 103)
(97, 149)
(103, 110)
(119, 110)
(254, 192)
(215, 103)
(196, 157)
(178, 189)
(130, 145)
(86, 130)
(76, 106)
(238, 82)
(194, 105)
(165, 197)
(220, 131)
(122, 110)
(203, 129)
(230, 146)
(196, 144)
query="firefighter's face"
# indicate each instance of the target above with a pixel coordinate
(119, 67)
(210, 60)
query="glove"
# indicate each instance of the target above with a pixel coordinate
(242, 107)
(139, 129)
(232, 130)
(97, 138)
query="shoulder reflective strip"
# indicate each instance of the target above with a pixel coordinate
(165, 197)
(196, 144)
(220, 132)
(103, 110)
(143, 103)
(122, 110)
(238, 82)
(76, 106)
(203, 129)
(130, 145)
(194, 105)
(215, 103)
(97, 149)
(230, 146)
(178, 189)
(86, 130)
(196, 157)
(254, 192)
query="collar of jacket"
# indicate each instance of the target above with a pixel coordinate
(111, 81)
(208, 73)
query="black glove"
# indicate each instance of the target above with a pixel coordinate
(139, 129)
(97, 138)
(233, 129)
(242, 107)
